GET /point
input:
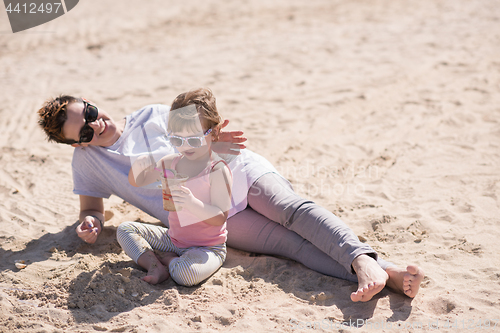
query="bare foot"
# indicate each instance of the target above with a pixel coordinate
(371, 278)
(157, 273)
(405, 281)
(166, 257)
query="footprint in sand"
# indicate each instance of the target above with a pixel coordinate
(108, 215)
(442, 306)
(417, 230)
(467, 247)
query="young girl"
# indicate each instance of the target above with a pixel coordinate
(194, 245)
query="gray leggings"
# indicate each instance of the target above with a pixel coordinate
(304, 231)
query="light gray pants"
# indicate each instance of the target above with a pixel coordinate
(304, 231)
(193, 265)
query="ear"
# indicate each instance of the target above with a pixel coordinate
(87, 100)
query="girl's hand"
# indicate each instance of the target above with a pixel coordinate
(143, 171)
(144, 163)
(183, 197)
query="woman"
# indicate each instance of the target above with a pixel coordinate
(276, 220)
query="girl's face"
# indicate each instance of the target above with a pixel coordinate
(192, 153)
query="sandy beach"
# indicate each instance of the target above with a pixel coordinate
(385, 112)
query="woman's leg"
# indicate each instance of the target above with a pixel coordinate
(253, 232)
(273, 197)
(250, 231)
(197, 264)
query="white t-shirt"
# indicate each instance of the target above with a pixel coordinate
(103, 171)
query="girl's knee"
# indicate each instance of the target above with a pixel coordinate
(187, 273)
(184, 275)
(184, 282)
(125, 229)
(125, 226)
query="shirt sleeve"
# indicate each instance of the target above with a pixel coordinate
(88, 177)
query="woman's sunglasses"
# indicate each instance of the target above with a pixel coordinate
(192, 141)
(91, 113)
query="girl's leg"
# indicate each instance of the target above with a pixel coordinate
(273, 197)
(197, 264)
(136, 238)
(138, 241)
(253, 232)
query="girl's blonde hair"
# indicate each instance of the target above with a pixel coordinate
(194, 108)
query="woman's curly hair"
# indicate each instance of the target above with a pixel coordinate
(52, 116)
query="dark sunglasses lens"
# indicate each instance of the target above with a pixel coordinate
(176, 142)
(194, 142)
(86, 134)
(92, 113)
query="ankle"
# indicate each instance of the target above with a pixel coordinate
(360, 262)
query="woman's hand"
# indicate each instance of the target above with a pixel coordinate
(230, 142)
(89, 229)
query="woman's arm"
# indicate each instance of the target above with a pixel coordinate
(91, 218)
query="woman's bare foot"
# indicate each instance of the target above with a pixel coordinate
(371, 278)
(157, 273)
(405, 281)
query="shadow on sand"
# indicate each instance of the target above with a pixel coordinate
(317, 289)
(100, 279)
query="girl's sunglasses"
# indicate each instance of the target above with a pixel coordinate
(91, 113)
(192, 141)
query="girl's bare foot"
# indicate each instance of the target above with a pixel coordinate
(157, 273)
(406, 281)
(166, 257)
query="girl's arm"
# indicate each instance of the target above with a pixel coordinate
(215, 212)
(144, 171)
(221, 183)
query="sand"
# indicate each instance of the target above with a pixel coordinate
(384, 112)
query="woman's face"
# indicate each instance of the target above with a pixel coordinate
(106, 131)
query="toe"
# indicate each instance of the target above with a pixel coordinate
(412, 269)
(146, 279)
(355, 297)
